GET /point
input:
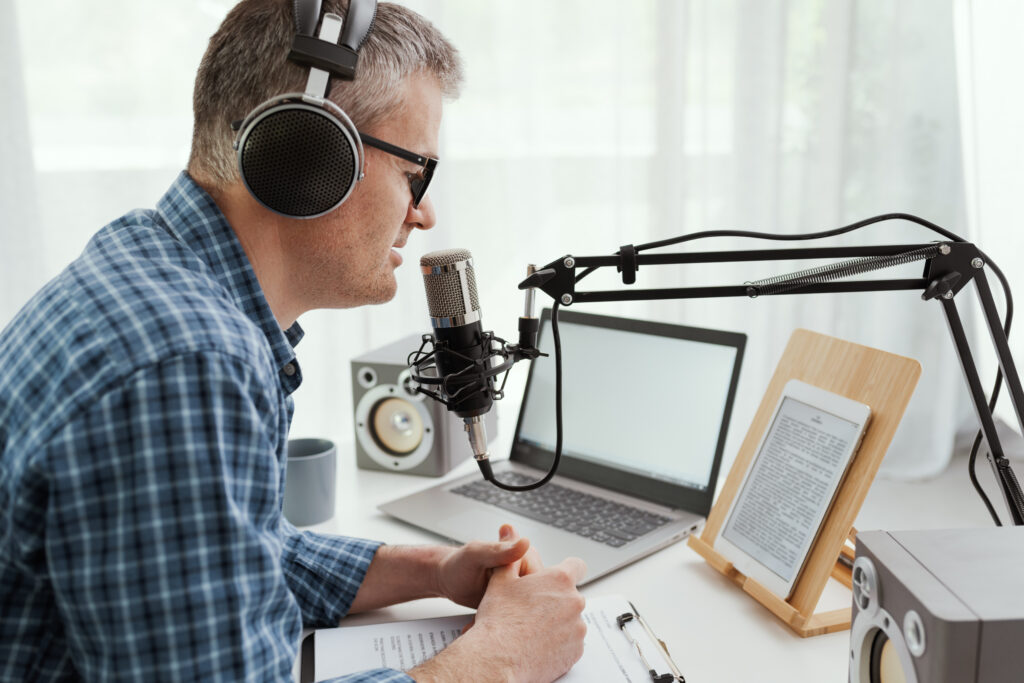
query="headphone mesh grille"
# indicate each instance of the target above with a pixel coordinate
(298, 162)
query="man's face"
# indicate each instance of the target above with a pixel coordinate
(350, 256)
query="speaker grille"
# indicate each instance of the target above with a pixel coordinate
(298, 161)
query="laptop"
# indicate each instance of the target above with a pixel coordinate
(646, 409)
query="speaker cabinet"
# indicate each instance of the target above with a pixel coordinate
(938, 606)
(398, 430)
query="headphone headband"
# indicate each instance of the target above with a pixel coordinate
(306, 14)
(339, 60)
(358, 23)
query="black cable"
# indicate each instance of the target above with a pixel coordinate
(485, 467)
(802, 236)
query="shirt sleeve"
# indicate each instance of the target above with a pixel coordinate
(324, 572)
(163, 531)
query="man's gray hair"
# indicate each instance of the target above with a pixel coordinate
(247, 63)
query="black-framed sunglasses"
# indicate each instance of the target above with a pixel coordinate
(418, 183)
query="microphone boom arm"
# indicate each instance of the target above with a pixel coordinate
(949, 267)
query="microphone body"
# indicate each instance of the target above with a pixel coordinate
(466, 392)
(461, 349)
(465, 359)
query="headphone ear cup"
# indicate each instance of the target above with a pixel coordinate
(299, 160)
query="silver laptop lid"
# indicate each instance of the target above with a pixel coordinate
(646, 406)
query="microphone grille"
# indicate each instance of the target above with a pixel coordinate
(450, 281)
(445, 257)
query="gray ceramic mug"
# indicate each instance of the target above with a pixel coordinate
(309, 481)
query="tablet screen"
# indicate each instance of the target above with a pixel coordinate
(792, 482)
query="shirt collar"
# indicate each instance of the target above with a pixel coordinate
(194, 219)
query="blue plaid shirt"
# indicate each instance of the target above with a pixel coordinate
(144, 413)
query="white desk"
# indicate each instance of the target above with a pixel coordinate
(715, 631)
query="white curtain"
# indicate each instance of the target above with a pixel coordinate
(583, 126)
(989, 54)
(20, 231)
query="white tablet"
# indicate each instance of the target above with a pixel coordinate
(789, 487)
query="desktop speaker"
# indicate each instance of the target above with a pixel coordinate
(935, 606)
(397, 429)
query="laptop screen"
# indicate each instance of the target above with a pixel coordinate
(645, 406)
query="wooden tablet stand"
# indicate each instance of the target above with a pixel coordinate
(883, 381)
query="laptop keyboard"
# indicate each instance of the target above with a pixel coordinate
(583, 514)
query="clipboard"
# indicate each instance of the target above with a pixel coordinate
(625, 618)
(618, 639)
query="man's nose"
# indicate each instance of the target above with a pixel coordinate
(422, 216)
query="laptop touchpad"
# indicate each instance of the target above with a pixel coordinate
(478, 524)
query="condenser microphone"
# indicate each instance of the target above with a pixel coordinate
(462, 350)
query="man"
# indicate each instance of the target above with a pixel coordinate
(145, 405)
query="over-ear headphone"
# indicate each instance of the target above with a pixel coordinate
(299, 154)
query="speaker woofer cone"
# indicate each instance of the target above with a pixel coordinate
(885, 666)
(396, 426)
